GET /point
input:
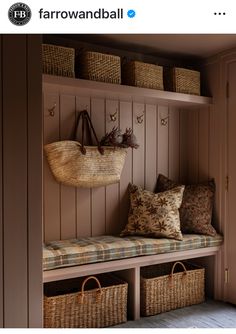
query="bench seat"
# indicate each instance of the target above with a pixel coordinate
(74, 252)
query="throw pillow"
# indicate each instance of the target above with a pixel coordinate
(154, 215)
(197, 205)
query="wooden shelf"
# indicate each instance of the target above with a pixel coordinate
(100, 89)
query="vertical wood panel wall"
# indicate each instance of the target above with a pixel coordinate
(177, 149)
(218, 73)
(1, 196)
(15, 184)
(35, 180)
(21, 228)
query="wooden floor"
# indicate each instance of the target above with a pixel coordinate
(210, 314)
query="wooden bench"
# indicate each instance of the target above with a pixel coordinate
(129, 268)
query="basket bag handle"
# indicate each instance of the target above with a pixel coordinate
(173, 268)
(99, 292)
(87, 126)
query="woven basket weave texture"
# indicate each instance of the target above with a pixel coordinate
(58, 60)
(101, 304)
(162, 292)
(99, 67)
(186, 81)
(71, 167)
(136, 73)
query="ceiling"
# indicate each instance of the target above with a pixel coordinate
(197, 45)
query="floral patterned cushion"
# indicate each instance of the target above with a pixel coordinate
(154, 215)
(197, 205)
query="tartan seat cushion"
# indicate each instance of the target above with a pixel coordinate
(73, 252)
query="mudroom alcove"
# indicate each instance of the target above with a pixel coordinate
(188, 138)
(174, 139)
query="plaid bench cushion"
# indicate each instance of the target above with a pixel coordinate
(73, 252)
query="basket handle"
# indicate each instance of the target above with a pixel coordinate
(99, 293)
(86, 122)
(173, 268)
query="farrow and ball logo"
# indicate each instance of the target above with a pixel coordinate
(19, 14)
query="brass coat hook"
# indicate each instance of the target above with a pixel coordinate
(140, 118)
(52, 110)
(164, 120)
(113, 117)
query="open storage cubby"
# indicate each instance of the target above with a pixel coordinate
(129, 271)
(85, 302)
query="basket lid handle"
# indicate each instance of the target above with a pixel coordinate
(99, 292)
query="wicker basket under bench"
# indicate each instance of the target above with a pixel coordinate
(169, 286)
(92, 302)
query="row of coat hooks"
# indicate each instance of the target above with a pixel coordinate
(113, 117)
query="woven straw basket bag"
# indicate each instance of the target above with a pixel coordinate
(75, 164)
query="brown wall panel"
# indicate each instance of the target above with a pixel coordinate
(112, 191)
(203, 146)
(193, 146)
(216, 72)
(174, 145)
(216, 139)
(214, 78)
(183, 145)
(52, 218)
(150, 147)
(126, 176)
(162, 141)
(1, 213)
(35, 140)
(68, 212)
(15, 181)
(139, 154)
(67, 194)
(98, 194)
(21, 181)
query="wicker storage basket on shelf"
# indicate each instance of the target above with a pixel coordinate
(136, 73)
(68, 305)
(58, 60)
(182, 80)
(163, 289)
(99, 67)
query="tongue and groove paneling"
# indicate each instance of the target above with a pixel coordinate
(21, 182)
(168, 139)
